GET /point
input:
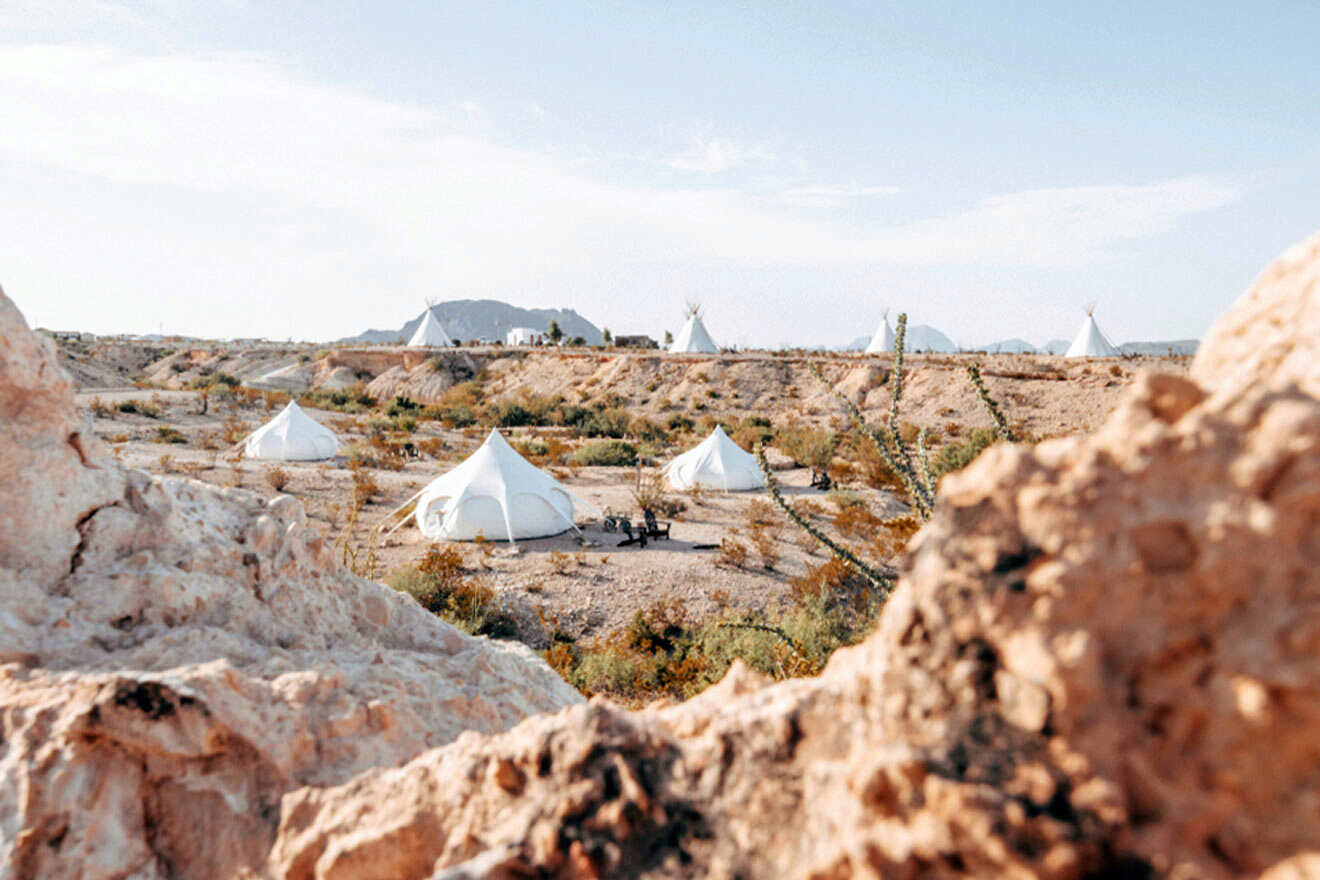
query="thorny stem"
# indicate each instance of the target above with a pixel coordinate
(927, 479)
(877, 580)
(1001, 424)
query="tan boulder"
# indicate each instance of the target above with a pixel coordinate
(174, 657)
(1271, 331)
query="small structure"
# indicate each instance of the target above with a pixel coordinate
(693, 338)
(523, 336)
(1090, 342)
(291, 436)
(883, 340)
(716, 463)
(635, 342)
(494, 493)
(430, 334)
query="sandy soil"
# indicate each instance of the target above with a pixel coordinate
(592, 588)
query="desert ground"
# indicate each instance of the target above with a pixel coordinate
(182, 410)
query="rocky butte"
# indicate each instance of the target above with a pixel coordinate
(1103, 660)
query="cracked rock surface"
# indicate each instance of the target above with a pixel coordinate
(175, 657)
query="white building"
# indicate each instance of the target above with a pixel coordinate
(523, 336)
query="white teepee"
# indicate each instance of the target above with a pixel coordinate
(693, 338)
(883, 340)
(430, 334)
(292, 436)
(716, 463)
(1089, 341)
(495, 493)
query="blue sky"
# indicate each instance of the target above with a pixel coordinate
(312, 169)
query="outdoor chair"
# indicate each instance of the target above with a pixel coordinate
(655, 529)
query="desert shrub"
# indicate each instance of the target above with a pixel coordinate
(749, 436)
(532, 447)
(166, 434)
(679, 422)
(650, 495)
(365, 488)
(466, 393)
(138, 407)
(458, 415)
(808, 447)
(277, 478)
(955, 456)
(842, 498)
(274, 399)
(431, 446)
(440, 584)
(732, 553)
(608, 453)
(402, 405)
(508, 414)
(647, 431)
(559, 562)
(856, 521)
(348, 400)
(214, 381)
(610, 422)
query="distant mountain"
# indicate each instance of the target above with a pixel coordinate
(465, 319)
(1054, 346)
(1006, 346)
(1172, 346)
(920, 337)
(923, 337)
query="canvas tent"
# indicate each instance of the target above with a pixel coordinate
(495, 493)
(883, 340)
(429, 333)
(1090, 342)
(291, 436)
(715, 463)
(693, 338)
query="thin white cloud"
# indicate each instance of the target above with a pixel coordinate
(830, 195)
(715, 155)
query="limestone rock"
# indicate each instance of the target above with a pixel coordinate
(1270, 332)
(1102, 660)
(175, 657)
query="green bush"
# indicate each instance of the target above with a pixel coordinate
(348, 400)
(439, 585)
(165, 434)
(402, 406)
(607, 453)
(138, 407)
(955, 456)
(457, 416)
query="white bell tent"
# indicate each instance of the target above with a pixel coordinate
(1090, 342)
(715, 463)
(292, 436)
(430, 334)
(495, 493)
(693, 338)
(883, 340)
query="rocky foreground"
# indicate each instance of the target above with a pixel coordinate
(1103, 661)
